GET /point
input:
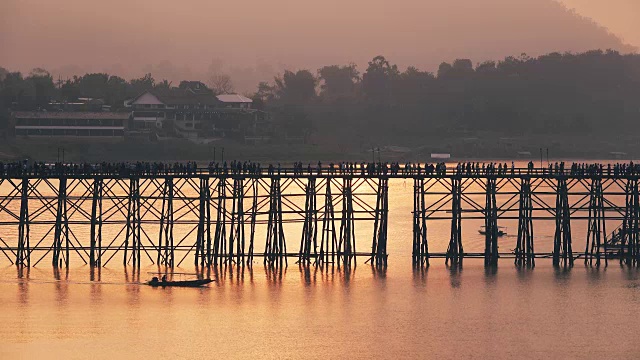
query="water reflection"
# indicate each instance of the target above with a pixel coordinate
(231, 274)
(562, 274)
(455, 276)
(420, 275)
(23, 272)
(95, 273)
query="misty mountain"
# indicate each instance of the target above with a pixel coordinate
(177, 40)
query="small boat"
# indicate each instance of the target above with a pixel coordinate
(155, 282)
(501, 233)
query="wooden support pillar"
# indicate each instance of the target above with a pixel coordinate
(95, 250)
(166, 251)
(275, 246)
(420, 242)
(133, 224)
(254, 215)
(23, 254)
(379, 242)
(455, 251)
(525, 255)
(347, 240)
(562, 251)
(328, 240)
(61, 230)
(629, 253)
(219, 239)
(308, 240)
(491, 223)
(236, 234)
(203, 238)
(596, 233)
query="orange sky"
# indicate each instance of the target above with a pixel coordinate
(253, 39)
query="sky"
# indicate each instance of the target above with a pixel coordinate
(254, 39)
(619, 16)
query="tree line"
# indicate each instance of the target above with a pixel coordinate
(553, 93)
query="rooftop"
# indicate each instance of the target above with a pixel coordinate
(233, 98)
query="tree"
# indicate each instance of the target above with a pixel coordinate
(69, 90)
(296, 87)
(376, 81)
(39, 88)
(94, 85)
(338, 80)
(3, 73)
(220, 84)
(145, 83)
(411, 86)
(116, 91)
(265, 92)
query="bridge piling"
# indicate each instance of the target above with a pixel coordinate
(455, 251)
(381, 215)
(219, 240)
(328, 240)
(95, 251)
(23, 253)
(562, 249)
(524, 252)
(347, 240)
(308, 246)
(491, 223)
(57, 207)
(420, 252)
(596, 230)
(275, 246)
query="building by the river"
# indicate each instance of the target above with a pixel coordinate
(70, 123)
(192, 111)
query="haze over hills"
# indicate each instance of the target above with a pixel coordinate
(192, 39)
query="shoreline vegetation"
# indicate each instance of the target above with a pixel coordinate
(489, 146)
(581, 106)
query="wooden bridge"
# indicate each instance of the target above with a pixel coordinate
(99, 217)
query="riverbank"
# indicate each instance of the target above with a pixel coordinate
(461, 147)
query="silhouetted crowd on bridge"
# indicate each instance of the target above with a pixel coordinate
(24, 168)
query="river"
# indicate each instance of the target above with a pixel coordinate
(397, 312)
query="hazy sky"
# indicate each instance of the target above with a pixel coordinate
(252, 39)
(620, 16)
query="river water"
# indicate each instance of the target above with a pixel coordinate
(299, 312)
